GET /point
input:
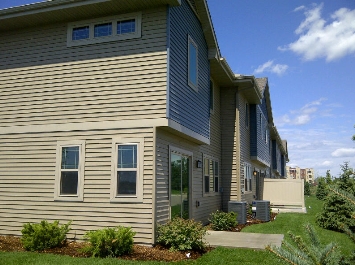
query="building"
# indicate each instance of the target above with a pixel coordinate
(124, 113)
(300, 173)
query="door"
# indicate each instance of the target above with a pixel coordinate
(179, 185)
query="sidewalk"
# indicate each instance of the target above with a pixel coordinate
(242, 240)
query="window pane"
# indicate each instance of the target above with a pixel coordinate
(206, 167)
(127, 156)
(104, 29)
(126, 26)
(216, 188)
(192, 64)
(69, 183)
(80, 33)
(126, 182)
(216, 170)
(211, 175)
(207, 183)
(70, 157)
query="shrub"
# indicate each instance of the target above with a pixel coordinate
(180, 234)
(221, 221)
(307, 188)
(336, 213)
(109, 242)
(43, 235)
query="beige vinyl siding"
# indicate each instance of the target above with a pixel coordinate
(245, 150)
(231, 180)
(165, 139)
(27, 169)
(42, 81)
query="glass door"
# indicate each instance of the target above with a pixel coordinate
(179, 185)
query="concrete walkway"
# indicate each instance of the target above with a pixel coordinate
(242, 240)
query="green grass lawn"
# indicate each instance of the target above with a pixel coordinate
(283, 223)
(294, 222)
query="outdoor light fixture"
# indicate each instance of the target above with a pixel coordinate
(254, 173)
(198, 163)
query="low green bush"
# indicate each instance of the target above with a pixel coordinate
(222, 221)
(109, 242)
(180, 234)
(43, 235)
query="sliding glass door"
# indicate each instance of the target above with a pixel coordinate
(179, 185)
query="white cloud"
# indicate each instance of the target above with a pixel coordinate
(319, 39)
(301, 116)
(327, 163)
(299, 8)
(269, 66)
(344, 152)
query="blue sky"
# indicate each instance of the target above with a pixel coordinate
(307, 51)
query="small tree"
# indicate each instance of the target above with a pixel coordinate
(322, 191)
(328, 178)
(301, 252)
(337, 212)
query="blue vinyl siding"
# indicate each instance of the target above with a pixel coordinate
(259, 146)
(187, 106)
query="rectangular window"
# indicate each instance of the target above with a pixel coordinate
(102, 30)
(210, 175)
(126, 26)
(192, 64)
(80, 33)
(206, 174)
(70, 170)
(216, 177)
(246, 115)
(127, 169)
(247, 178)
(105, 29)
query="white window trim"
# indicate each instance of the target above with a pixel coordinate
(114, 37)
(214, 160)
(138, 197)
(192, 85)
(248, 171)
(80, 192)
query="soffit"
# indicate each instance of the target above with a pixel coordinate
(56, 11)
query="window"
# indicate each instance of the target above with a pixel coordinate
(80, 33)
(210, 175)
(247, 177)
(211, 96)
(192, 64)
(104, 29)
(247, 115)
(70, 170)
(126, 26)
(126, 169)
(261, 126)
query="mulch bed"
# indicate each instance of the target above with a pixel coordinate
(156, 253)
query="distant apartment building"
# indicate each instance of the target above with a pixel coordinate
(300, 173)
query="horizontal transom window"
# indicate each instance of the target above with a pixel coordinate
(105, 29)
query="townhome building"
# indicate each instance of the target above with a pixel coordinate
(125, 113)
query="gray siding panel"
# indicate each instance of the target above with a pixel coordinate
(186, 106)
